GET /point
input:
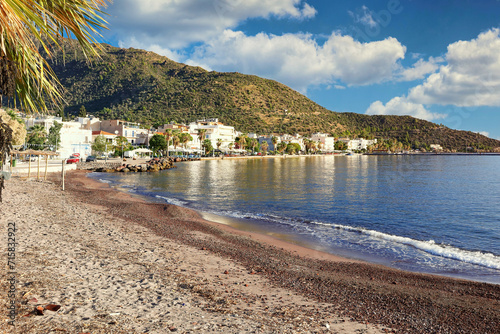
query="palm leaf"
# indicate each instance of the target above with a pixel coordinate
(29, 25)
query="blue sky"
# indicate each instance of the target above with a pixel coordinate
(435, 60)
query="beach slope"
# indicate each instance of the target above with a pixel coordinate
(117, 264)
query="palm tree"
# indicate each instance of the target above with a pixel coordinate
(307, 144)
(274, 140)
(185, 138)
(168, 136)
(25, 74)
(175, 140)
(219, 143)
(281, 147)
(254, 142)
(201, 136)
(27, 24)
(242, 141)
(37, 135)
(264, 146)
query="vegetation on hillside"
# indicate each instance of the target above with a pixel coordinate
(140, 86)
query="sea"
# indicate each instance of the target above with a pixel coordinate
(437, 214)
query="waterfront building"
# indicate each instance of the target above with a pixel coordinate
(327, 142)
(129, 130)
(359, 144)
(215, 130)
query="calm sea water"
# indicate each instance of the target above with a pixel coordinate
(433, 214)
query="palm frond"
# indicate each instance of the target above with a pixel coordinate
(29, 25)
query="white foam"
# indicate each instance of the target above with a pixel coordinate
(172, 201)
(487, 260)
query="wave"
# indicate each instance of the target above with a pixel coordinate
(173, 201)
(484, 259)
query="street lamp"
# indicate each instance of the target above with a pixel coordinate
(116, 133)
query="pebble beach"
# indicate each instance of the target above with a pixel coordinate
(113, 263)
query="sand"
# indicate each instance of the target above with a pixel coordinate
(116, 264)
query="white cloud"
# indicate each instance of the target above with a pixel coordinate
(401, 106)
(171, 54)
(420, 69)
(484, 133)
(470, 78)
(364, 16)
(308, 11)
(177, 24)
(299, 61)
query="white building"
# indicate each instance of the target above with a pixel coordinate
(129, 130)
(45, 121)
(90, 123)
(215, 130)
(327, 142)
(360, 144)
(75, 139)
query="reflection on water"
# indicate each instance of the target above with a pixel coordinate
(335, 203)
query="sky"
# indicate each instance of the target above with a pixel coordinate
(434, 60)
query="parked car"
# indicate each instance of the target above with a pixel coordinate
(73, 160)
(90, 158)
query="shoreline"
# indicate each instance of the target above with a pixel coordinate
(360, 292)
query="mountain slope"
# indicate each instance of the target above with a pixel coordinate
(142, 86)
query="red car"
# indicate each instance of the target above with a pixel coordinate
(73, 160)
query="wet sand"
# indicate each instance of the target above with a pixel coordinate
(238, 281)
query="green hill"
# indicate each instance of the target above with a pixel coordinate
(136, 85)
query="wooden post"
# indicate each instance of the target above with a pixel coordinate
(46, 166)
(38, 170)
(29, 165)
(63, 174)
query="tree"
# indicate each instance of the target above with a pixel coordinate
(83, 112)
(281, 147)
(175, 140)
(264, 146)
(274, 140)
(37, 135)
(28, 24)
(157, 143)
(340, 145)
(253, 143)
(207, 145)
(308, 144)
(5, 147)
(99, 144)
(219, 143)
(122, 145)
(242, 141)
(292, 148)
(185, 138)
(168, 136)
(54, 137)
(24, 72)
(201, 136)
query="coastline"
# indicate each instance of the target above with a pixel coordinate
(323, 284)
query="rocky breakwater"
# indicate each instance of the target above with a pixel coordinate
(153, 165)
